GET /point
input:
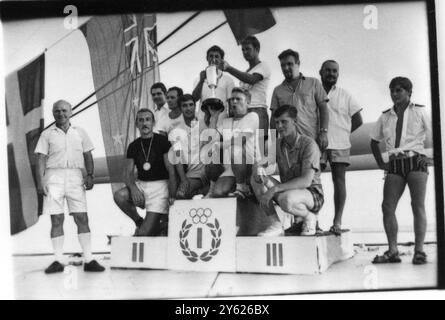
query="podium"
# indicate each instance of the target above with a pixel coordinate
(202, 237)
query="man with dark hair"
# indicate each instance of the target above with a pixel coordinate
(255, 80)
(223, 90)
(158, 93)
(344, 118)
(299, 191)
(307, 95)
(403, 128)
(155, 186)
(240, 148)
(185, 138)
(174, 116)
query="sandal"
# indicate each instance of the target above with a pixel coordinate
(419, 257)
(335, 230)
(387, 257)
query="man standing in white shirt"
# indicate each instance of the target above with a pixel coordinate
(62, 152)
(344, 118)
(403, 128)
(162, 120)
(255, 80)
(223, 89)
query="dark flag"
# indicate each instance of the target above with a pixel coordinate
(123, 51)
(25, 91)
(247, 22)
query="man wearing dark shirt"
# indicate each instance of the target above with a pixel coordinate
(155, 186)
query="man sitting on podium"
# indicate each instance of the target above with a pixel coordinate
(300, 192)
(155, 186)
(240, 148)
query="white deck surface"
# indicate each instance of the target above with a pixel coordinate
(358, 273)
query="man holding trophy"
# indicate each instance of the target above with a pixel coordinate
(222, 85)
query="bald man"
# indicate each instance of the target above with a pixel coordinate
(63, 150)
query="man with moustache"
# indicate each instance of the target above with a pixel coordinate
(299, 191)
(344, 118)
(255, 80)
(223, 89)
(185, 138)
(63, 150)
(155, 186)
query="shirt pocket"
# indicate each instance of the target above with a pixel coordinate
(306, 99)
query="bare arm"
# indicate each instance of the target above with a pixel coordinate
(89, 165)
(172, 183)
(356, 121)
(40, 170)
(302, 182)
(136, 195)
(324, 122)
(377, 155)
(244, 76)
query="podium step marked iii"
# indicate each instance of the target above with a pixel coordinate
(202, 238)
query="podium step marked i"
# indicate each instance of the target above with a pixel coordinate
(202, 237)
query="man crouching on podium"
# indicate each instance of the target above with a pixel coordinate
(300, 192)
(156, 181)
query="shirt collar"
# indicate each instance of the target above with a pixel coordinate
(164, 106)
(54, 127)
(300, 76)
(393, 110)
(284, 144)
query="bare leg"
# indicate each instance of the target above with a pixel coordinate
(122, 198)
(392, 191)
(338, 178)
(223, 186)
(417, 187)
(150, 225)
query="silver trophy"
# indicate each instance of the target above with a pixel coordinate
(212, 81)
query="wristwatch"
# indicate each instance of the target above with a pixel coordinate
(324, 130)
(91, 175)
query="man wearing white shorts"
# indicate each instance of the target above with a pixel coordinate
(62, 152)
(240, 149)
(155, 186)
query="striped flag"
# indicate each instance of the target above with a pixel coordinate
(25, 90)
(123, 54)
(247, 22)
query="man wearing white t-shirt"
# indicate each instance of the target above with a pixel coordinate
(255, 80)
(223, 89)
(240, 147)
(344, 118)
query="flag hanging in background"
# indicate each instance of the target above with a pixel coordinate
(247, 22)
(123, 50)
(24, 90)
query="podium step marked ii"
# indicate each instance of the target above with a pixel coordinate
(202, 238)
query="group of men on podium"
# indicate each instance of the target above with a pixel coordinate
(211, 150)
